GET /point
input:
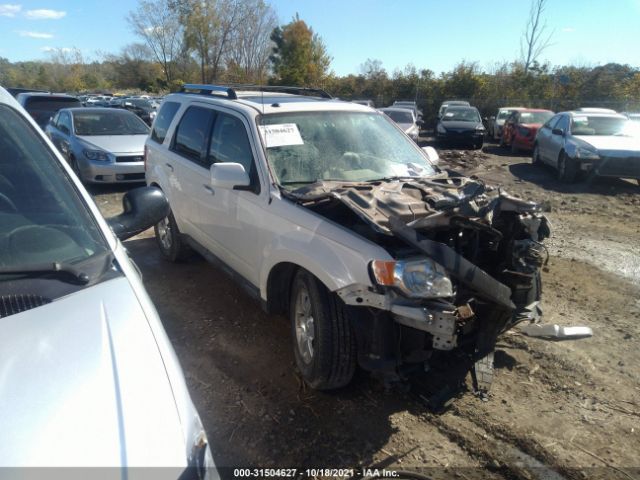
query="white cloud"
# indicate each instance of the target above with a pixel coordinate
(44, 14)
(9, 10)
(35, 34)
(569, 29)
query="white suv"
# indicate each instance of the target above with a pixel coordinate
(327, 212)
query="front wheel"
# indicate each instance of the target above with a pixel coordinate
(324, 343)
(535, 156)
(566, 169)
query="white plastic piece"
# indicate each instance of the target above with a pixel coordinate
(555, 331)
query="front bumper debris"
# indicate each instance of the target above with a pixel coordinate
(556, 332)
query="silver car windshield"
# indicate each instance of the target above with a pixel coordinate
(42, 218)
(600, 125)
(108, 122)
(344, 146)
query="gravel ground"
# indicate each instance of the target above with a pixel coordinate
(556, 409)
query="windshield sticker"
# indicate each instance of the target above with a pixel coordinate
(580, 119)
(281, 135)
(448, 114)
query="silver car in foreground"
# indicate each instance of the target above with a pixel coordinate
(88, 377)
(102, 145)
(586, 142)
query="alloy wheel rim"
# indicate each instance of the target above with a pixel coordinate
(304, 326)
(164, 233)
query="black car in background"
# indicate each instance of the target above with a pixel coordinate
(461, 125)
(140, 106)
(43, 106)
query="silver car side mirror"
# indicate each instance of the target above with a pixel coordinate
(432, 155)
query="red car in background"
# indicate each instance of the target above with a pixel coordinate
(520, 128)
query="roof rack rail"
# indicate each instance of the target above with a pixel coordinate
(315, 92)
(209, 89)
(230, 90)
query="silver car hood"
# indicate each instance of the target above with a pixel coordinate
(611, 143)
(82, 383)
(117, 143)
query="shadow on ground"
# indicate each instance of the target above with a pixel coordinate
(544, 176)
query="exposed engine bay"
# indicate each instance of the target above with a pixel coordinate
(488, 242)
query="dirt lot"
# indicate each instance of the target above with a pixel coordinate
(556, 409)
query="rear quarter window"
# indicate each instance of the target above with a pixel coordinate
(163, 120)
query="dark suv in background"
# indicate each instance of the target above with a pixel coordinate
(43, 106)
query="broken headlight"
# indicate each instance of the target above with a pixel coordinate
(415, 278)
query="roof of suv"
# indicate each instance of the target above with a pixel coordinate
(270, 102)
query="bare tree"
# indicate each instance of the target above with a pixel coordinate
(250, 42)
(209, 26)
(535, 39)
(156, 22)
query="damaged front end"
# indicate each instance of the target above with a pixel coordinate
(467, 264)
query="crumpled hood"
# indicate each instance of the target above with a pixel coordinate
(82, 383)
(117, 143)
(611, 143)
(420, 203)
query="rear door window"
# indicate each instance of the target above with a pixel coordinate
(192, 134)
(43, 108)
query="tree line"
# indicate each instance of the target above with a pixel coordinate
(240, 41)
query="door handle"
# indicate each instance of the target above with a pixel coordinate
(169, 166)
(209, 189)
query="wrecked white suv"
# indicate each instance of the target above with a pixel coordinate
(330, 214)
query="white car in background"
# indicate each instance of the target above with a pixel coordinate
(88, 376)
(405, 119)
(496, 124)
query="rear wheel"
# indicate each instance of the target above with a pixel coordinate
(169, 240)
(566, 169)
(323, 339)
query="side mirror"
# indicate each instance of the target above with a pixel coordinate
(142, 208)
(432, 155)
(557, 131)
(229, 175)
(420, 122)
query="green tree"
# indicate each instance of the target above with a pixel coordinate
(299, 55)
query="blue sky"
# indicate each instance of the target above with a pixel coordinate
(434, 34)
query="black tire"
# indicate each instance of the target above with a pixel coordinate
(169, 240)
(74, 166)
(478, 145)
(331, 360)
(535, 156)
(567, 169)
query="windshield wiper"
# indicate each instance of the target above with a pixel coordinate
(64, 271)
